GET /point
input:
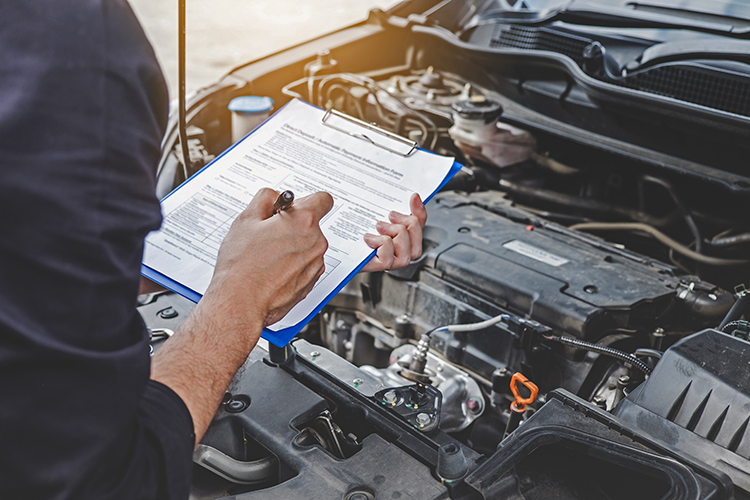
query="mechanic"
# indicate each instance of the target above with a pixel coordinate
(84, 412)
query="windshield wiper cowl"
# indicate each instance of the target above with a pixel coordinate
(590, 14)
(683, 50)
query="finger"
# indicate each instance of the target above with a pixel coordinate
(384, 257)
(373, 240)
(418, 209)
(261, 206)
(319, 204)
(401, 243)
(414, 226)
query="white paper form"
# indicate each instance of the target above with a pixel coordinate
(292, 150)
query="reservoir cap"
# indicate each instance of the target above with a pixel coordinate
(251, 104)
(478, 108)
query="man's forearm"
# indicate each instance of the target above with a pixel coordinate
(266, 264)
(200, 360)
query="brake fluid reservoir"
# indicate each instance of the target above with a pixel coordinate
(248, 111)
(477, 132)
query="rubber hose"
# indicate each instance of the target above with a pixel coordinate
(663, 238)
(567, 200)
(681, 207)
(701, 304)
(737, 310)
(604, 350)
(726, 241)
(236, 471)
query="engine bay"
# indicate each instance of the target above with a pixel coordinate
(573, 328)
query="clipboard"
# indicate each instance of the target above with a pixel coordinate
(386, 141)
(383, 139)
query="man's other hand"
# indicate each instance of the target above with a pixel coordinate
(399, 241)
(267, 263)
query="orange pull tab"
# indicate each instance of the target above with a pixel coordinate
(520, 404)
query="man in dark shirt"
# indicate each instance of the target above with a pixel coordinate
(84, 413)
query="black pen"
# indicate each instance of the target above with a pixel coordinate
(283, 202)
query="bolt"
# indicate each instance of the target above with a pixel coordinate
(314, 354)
(600, 401)
(403, 326)
(395, 85)
(623, 381)
(390, 397)
(403, 319)
(423, 419)
(474, 405)
(657, 338)
(324, 56)
(358, 496)
(357, 382)
(236, 405)
(168, 313)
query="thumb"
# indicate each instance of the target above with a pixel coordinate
(418, 209)
(261, 206)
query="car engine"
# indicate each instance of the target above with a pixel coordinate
(574, 327)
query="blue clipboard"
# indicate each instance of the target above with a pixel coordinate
(282, 337)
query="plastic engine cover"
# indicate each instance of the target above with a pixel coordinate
(697, 402)
(569, 450)
(548, 276)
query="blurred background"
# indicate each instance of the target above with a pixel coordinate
(222, 34)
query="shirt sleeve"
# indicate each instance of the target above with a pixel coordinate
(83, 110)
(167, 434)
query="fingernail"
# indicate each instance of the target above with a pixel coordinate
(370, 239)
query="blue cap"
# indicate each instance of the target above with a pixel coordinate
(251, 104)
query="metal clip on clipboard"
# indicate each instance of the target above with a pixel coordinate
(409, 146)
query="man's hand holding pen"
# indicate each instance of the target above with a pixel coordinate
(282, 257)
(272, 262)
(266, 264)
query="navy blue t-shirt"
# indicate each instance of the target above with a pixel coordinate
(83, 107)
